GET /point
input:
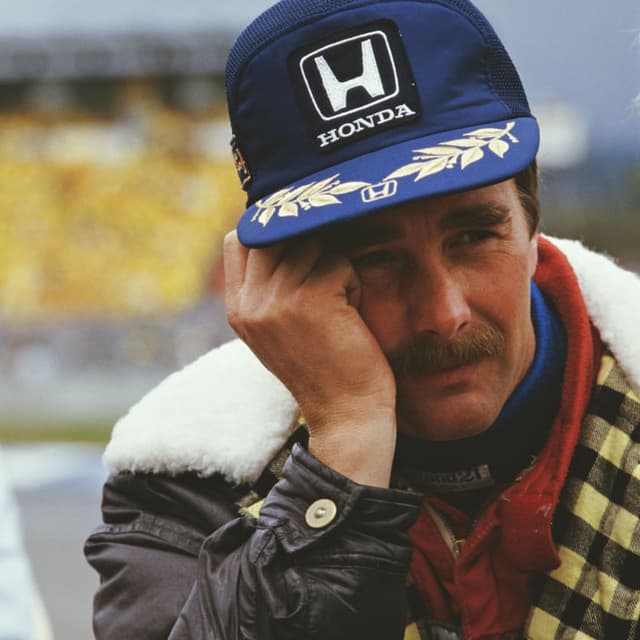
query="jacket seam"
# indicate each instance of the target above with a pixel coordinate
(184, 539)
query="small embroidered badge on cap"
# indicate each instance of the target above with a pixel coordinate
(241, 165)
(355, 84)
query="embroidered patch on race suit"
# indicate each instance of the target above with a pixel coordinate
(355, 84)
(455, 481)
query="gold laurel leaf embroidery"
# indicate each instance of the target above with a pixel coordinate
(486, 133)
(435, 166)
(322, 200)
(499, 147)
(466, 142)
(275, 198)
(318, 186)
(288, 202)
(288, 209)
(407, 170)
(471, 156)
(266, 215)
(491, 132)
(469, 149)
(348, 187)
(438, 151)
(295, 193)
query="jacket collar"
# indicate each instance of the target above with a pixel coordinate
(227, 414)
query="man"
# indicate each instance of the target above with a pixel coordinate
(433, 431)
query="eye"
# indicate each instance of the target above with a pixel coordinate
(472, 236)
(378, 258)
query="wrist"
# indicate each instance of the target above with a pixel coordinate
(362, 450)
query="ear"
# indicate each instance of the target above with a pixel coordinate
(533, 254)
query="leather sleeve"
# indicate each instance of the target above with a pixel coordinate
(177, 562)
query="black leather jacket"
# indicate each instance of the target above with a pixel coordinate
(177, 559)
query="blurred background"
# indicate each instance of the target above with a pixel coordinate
(117, 185)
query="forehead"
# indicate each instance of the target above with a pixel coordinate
(493, 204)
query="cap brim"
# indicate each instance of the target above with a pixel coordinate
(434, 165)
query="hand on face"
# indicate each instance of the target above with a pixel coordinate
(296, 308)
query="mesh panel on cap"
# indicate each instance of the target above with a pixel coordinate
(504, 77)
(267, 26)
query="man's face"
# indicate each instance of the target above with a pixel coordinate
(445, 289)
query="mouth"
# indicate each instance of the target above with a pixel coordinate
(450, 377)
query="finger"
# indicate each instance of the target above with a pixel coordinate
(298, 260)
(337, 274)
(235, 262)
(353, 288)
(261, 264)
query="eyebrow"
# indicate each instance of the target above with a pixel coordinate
(355, 237)
(484, 215)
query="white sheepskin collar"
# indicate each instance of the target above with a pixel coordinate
(225, 413)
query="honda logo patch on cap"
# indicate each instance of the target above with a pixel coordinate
(376, 80)
(355, 85)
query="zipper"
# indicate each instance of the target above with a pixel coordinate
(454, 544)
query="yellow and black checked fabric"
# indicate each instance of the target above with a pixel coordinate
(595, 593)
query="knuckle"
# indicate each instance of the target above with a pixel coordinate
(249, 315)
(230, 239)
(233, 318)
(240, 310)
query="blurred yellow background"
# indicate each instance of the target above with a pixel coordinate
(116, 215)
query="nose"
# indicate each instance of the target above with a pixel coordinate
(438, 302)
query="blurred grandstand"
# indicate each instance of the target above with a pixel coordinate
(117, 183)
(116, 189)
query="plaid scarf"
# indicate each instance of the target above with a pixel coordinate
(595, 593)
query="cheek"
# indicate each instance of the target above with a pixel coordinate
(504, 293)
(512, 309)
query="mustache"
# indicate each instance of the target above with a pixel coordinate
(427, 354)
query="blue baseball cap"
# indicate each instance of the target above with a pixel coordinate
(341, 108)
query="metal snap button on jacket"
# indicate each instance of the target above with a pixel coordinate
(321, 513)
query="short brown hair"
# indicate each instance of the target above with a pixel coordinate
(527, 185)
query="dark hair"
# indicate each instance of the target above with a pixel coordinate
(527, 185)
